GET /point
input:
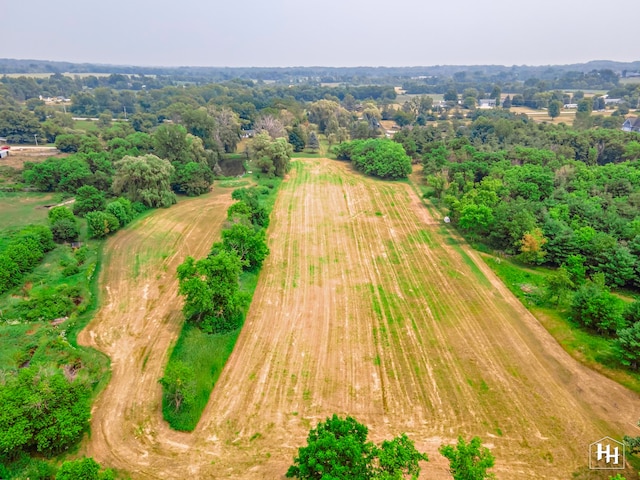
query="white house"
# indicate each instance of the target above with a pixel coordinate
(631, 124)
(487, 103)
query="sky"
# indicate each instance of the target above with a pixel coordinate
(284, 33)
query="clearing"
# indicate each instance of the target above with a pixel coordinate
(367, 306)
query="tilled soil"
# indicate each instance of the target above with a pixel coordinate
(366, 306)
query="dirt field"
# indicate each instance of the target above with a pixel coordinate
(19, 155)
(366, 306)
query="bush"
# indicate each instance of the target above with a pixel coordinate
(65, 230)
(596, 308)
(81, 255)
(51, 425)
(23, 253)
(48, 304)
(122, 209)
(100, 224)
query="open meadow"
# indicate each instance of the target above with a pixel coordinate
(368, 306)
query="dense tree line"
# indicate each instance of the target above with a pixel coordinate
(213, 299)
(378, 157)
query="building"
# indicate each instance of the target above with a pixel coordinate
(631, 124)
(487, 103)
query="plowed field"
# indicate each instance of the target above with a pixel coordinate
(366, 306)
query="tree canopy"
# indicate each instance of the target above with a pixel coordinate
(145, 179)
(338, 449)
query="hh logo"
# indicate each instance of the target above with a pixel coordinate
(606, 454)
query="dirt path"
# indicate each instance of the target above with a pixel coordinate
(366, 306)
(140, 318)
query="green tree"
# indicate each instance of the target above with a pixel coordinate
(313, 144)
(595, 307)
(88, 199)
(379, 157)
(59, 213)
(280, 152)
(554, 108)
(192, 179)
(468, 461)
(627, 346)
(476, 219)
(248, 243)
(297, 139)
(42, 412)
(559, 285)
(145, 179)
(101, 224)
(65, 230)
(179, 385)
(83, 469)
(64, 225)
(122, 209)
(212, 296)
(397, 459)
(271, 156)
(338, 449)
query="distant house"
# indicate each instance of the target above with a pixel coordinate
(613, 101)
(631, 124)
(487, 103)
(570, 106)
(248, 133)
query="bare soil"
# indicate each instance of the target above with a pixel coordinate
(369, 306)
(18, 155)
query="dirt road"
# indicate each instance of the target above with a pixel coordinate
(366, 306)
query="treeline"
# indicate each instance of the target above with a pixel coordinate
(210, 286)
(513, 82)
(314, 74)
(129, 165)
(501, 133)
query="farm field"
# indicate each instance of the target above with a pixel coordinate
(367, 306)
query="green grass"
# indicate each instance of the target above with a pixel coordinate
(86, 125)
(207, 355)
(18, 209)
(233, 183)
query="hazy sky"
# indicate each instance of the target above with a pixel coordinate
(268, 33)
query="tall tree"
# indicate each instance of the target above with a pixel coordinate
(554, 108)
(145, 179)
(210, 286)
